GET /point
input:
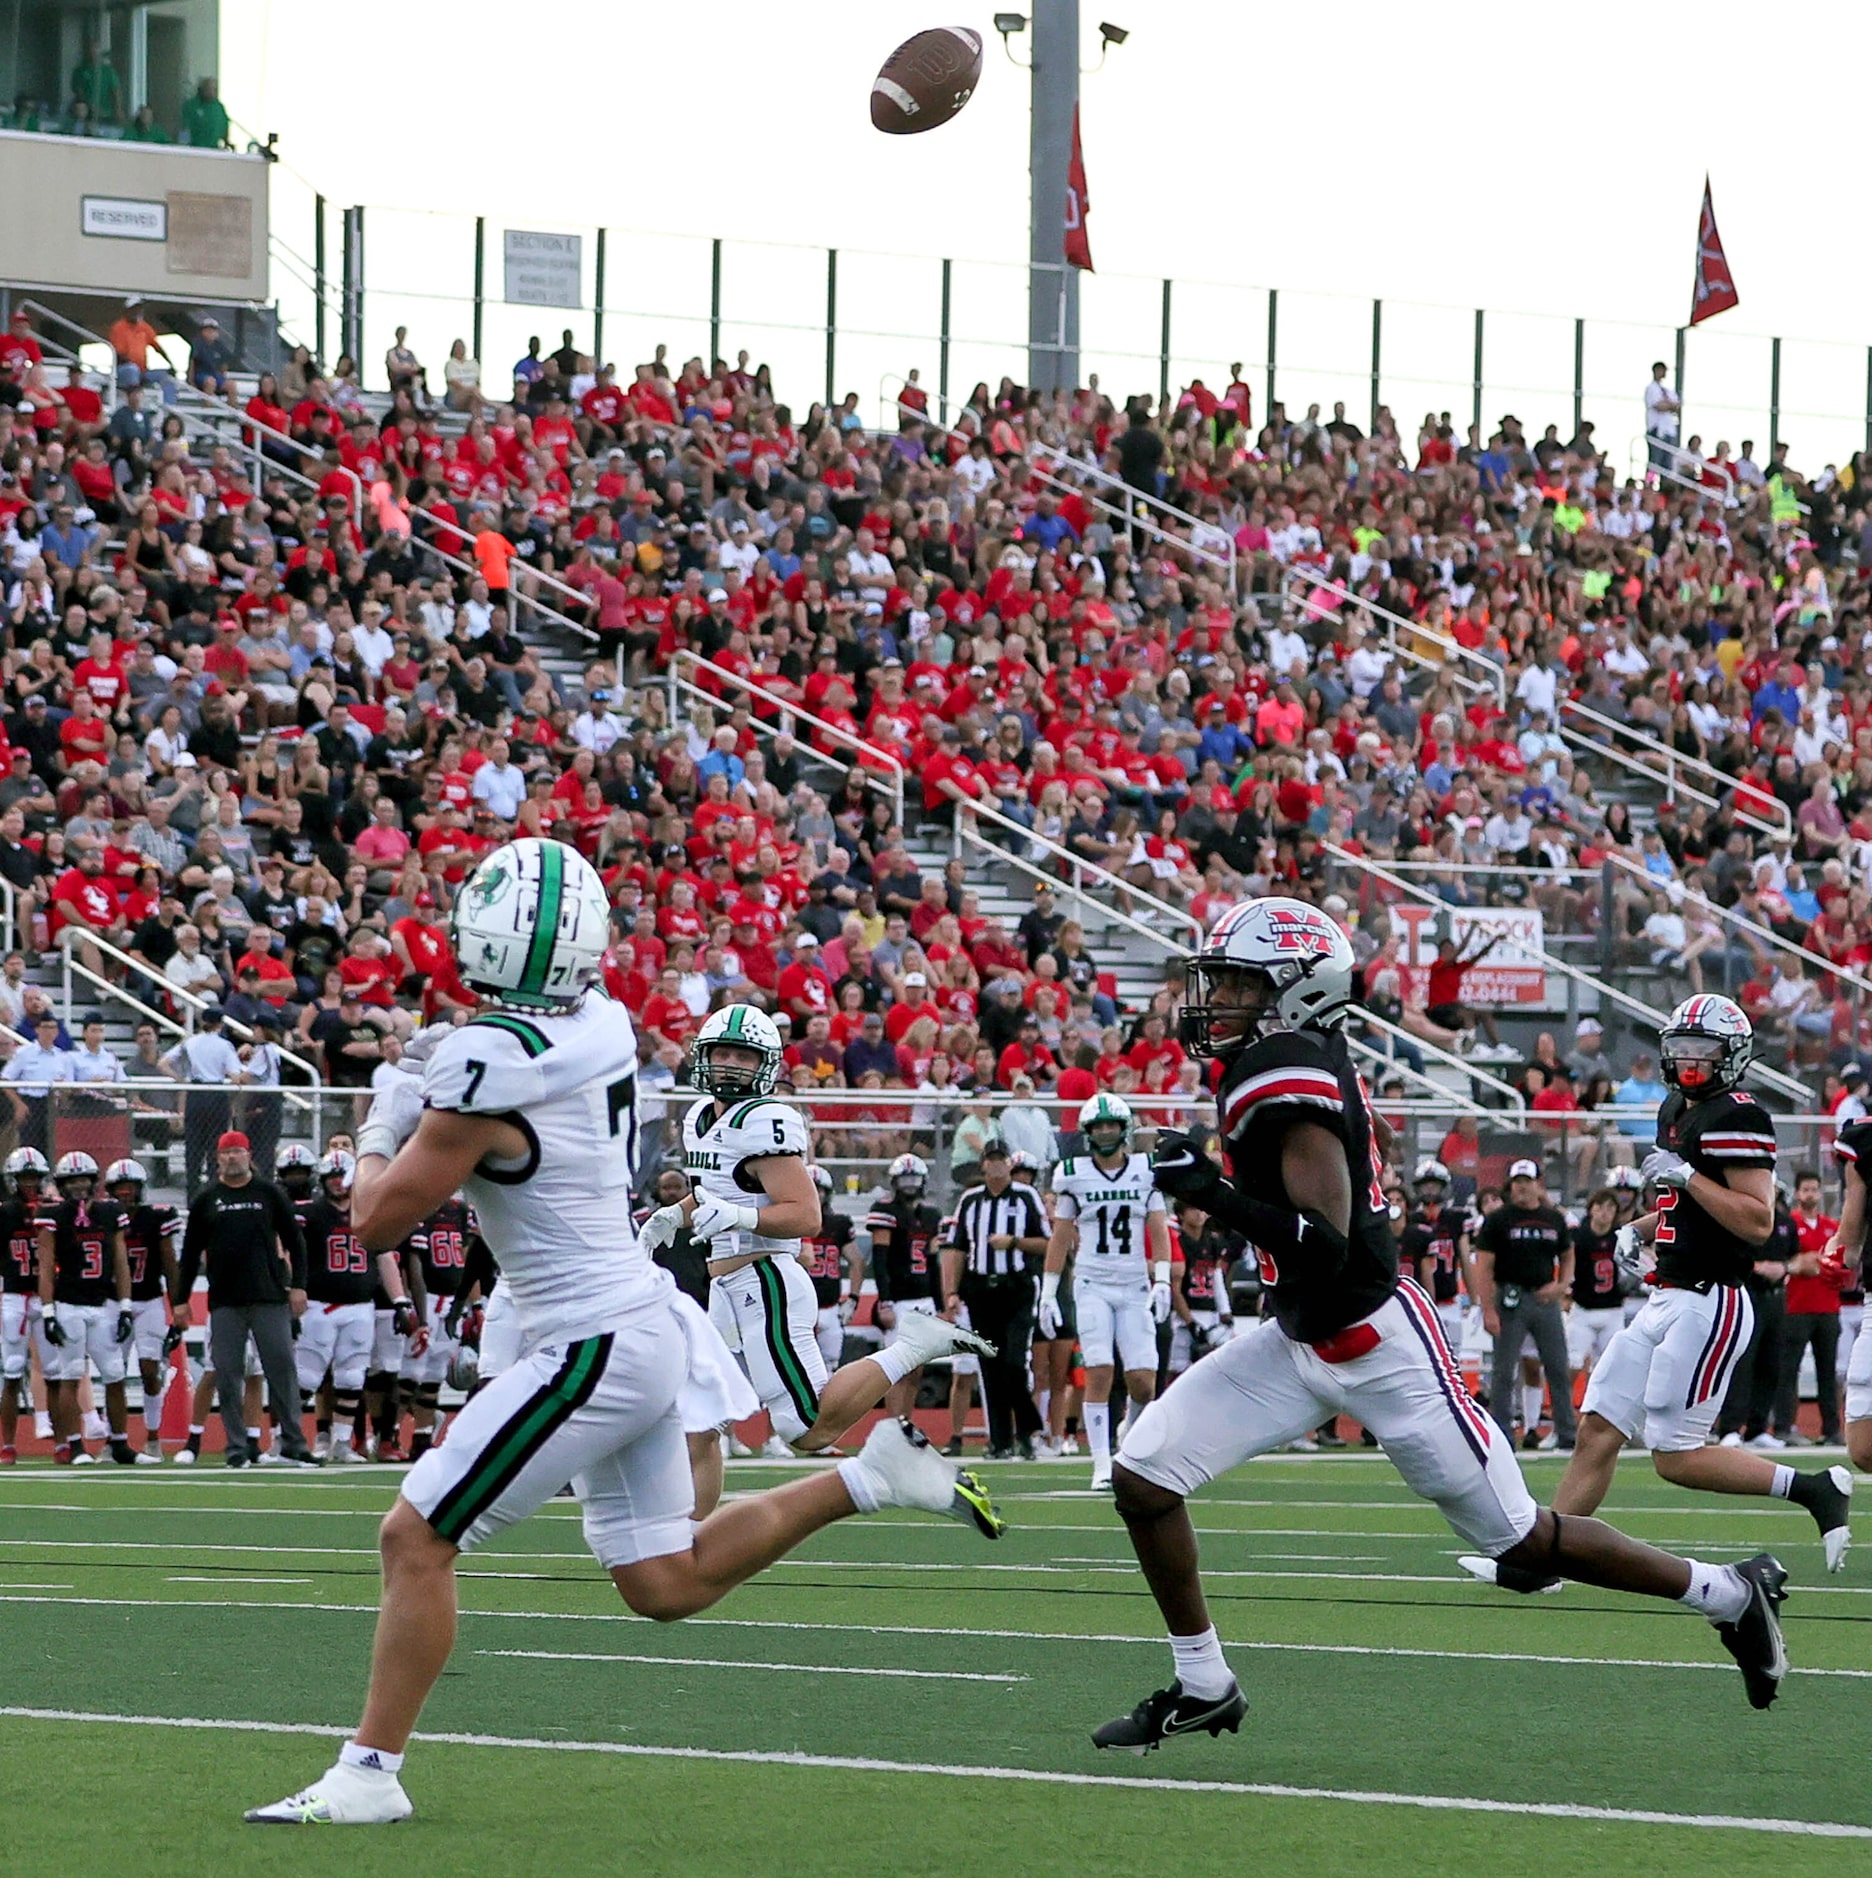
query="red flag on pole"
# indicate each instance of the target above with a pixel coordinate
(1715, 285)
(1078, 242)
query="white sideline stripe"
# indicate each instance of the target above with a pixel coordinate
(718, 1662)
(931, 1630)
(245, 1581)
(1034, 1776)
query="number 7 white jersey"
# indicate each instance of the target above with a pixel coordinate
(559, 1219)
(721, 1148)
(1110, 1207)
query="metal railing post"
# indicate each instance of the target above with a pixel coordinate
(1579, 374)
(1679, 383)
(598, 300)
(320, 285)
(1475, 409)
(942, 346)
(1774, 395)
(1377, 353)
(1163, 354)
(831, 328)
(480, 279)
(1272, 349)
(714, 299)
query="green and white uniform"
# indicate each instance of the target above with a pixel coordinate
(606, 1346)
(1111, 1266)
(767, 1311)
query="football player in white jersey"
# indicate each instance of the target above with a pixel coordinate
(1121, 1277)
(529, 1109)
(752, 1201)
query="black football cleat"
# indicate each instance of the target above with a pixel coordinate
(1755, 1639)
(1171, 1712)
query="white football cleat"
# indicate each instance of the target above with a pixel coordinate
(149, 1458)
(83, 1458)
(342, 1796)
(929, 1336)
(343, 1454)
(1487, 1572)
(904, 1470)
(182, 1457)
(271, 1458)
(1101, 1476)
(778, 1448)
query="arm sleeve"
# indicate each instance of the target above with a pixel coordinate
(286, 1224)
(193, 1238)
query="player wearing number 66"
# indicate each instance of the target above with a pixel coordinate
(529, 1109)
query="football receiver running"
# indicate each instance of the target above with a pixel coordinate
(527, 1109)
(1345, 1335)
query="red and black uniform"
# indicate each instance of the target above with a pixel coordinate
(1727, 1131)
(81, 1233)
(148, 1227)
(444, 1250)
(1596, 1282)
(904, 1263)
(824, 1257)
(1269, 1087)
(1432, 1235)
(339, 1270)
(19, 1238)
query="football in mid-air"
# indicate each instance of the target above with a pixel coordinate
(927, 80)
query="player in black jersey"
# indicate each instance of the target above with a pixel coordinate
(339, 1327)
(904, 1265)
(398, 1329)
(150, 1234)
(836, 1268)
(84, 1298)
(443, 1251)
(1267, 995)
(21, 1323)
(1598, 1296)
(1434, 1249)
(1203, 1318)
(1846, 1254)
(1668, 1370)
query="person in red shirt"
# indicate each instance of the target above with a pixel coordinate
(370, 969)
(101, 673)
(445, 843)
(85, 903)
(665, 1016)
(1443, 1002)
(1813, 1316)
(1027, 1055)
(805, 988)
(84, 734)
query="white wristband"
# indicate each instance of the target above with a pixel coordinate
(1160, 1272)
(376, 1138)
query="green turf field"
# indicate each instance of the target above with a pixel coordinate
(903, 1698)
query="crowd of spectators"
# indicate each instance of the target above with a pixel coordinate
(98, 106)
(257, 730)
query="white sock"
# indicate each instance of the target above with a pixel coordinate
(1532, 1396)
(253, 1439)
(1201, 1667)
(340, 1434)
(859, 1485)
(1717, 1591)
(380, 1760)
(1133, 1409)
(1783, 1482)
(1043, 1401)
(152, 1413)
(197, 1430)
(1097, 1418)
(897, 1362)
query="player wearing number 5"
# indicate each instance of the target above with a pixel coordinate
(1108, 1201)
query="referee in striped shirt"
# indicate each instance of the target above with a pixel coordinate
(998, 1234)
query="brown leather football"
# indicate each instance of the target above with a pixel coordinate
(927, 80)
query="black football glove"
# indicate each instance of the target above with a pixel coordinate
(172, 1341)
(403, 1315)
(54, 1331)
(126, 1324)
(1182, 1170)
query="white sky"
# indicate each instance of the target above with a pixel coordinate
(1475, 155)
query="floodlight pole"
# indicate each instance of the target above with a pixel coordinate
(1052, 286)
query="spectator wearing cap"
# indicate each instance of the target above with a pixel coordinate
(211, 1065)
(1587, 1061)
(805, 987)
(1524, 1269)
(869, 1050)
(210, 359)
(133, 339)
(1641, 1090)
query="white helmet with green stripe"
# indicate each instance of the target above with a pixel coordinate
(530, 926)
(718, 1065)
(1105, 1121)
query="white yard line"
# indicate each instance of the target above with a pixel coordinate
(1026, 1776)
(716, 1662)
(244, 1581)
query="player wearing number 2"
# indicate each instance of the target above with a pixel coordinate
(1108, 1201)
(1667, 1371)
(528, 1110)
(1267, 996)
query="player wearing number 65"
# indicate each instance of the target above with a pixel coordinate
(530, 1110)
(1267, 997)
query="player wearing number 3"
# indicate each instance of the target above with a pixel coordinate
(1267, 996)
(529, 1110)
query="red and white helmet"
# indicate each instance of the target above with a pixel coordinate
(1706, 1046)
(1300, 956)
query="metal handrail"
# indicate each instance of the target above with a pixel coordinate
(872, 756)
(1653, 1018)
(1448, 1058)
(1674, 761)
(1124, 504)
(1176, 916)
(1640, 455)
(1491, 677)
(1383, 1066)
(1173, 543)
(1766, 935)
(162, 1019)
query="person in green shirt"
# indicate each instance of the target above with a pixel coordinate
(144, 128)
(95, 80)
(205, 118)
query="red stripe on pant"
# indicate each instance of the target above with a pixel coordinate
(1719, 1352)
(1414, 1300)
